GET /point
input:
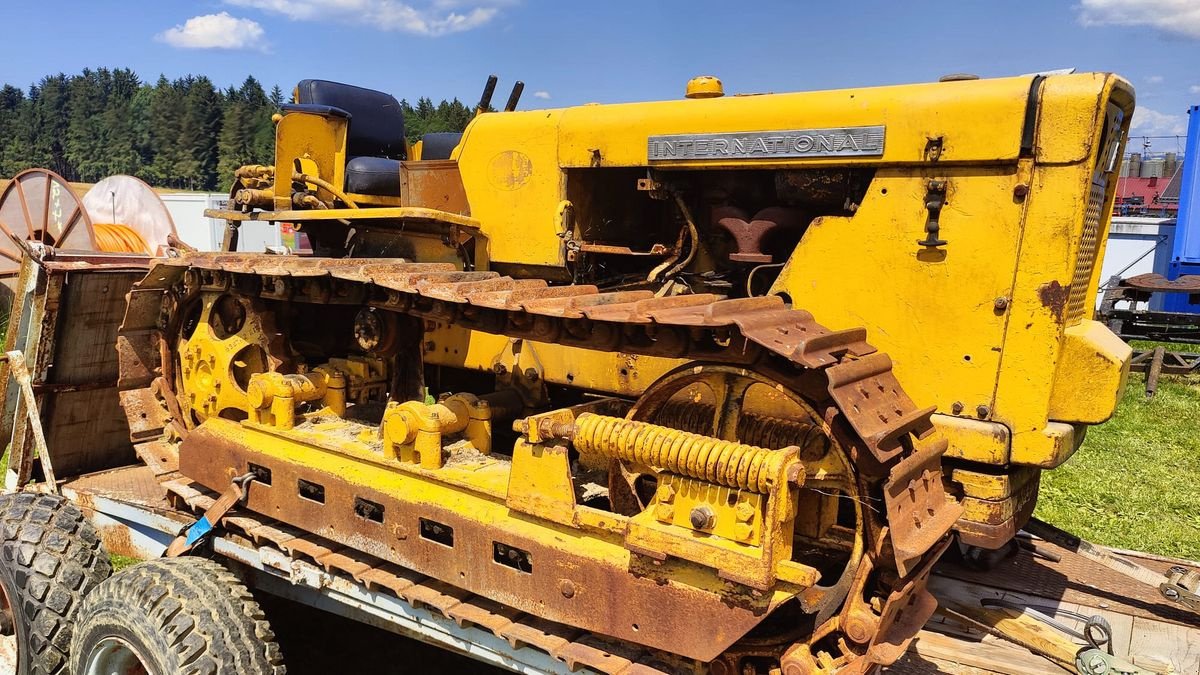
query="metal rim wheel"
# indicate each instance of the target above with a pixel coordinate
(174, 615)
(39, 206)
(738, 404)
(114, 655)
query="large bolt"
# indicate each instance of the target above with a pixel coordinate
(745, 511)
(703, 518)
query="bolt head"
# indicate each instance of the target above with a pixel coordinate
(531, 374)
(665, 494)
(665, 512)
(567, 588)
(745, 512)
(983, 411)
(956, 407)
(1000, 304)
(703, 518)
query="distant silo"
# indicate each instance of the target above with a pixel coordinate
(1134, 165)
(1153, 168)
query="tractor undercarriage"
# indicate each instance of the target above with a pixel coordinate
(777, 500)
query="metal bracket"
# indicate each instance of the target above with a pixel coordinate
(935, 199)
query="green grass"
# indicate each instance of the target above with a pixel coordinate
(1135, 483)
(120, 562)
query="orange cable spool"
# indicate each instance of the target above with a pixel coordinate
(118, 238)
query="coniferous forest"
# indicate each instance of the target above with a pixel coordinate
(185, 133)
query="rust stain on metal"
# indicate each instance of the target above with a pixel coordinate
(1054, 297)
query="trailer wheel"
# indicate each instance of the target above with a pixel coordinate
(50, 558)
(175, 615)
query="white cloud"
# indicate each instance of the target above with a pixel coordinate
(438, 18)
(1154, 79)
(215, 31)
(1147, 122)
(542, 94)
(1176, 17)
(1195, 88)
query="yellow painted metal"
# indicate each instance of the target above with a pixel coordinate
(540, 484)
(214, 368)
(382, 213)
(982, 325)
(272, 397)
(1091, 374)
(992, 328)
(978, 440)
(413, 431)
(611, 372)
(704, 86)
(536, 482)
(510, 169)
(319, 139)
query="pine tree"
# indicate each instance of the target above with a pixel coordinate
(121, 150)
(196, 165)
(181, 133)
(49, 125)
(165, 123)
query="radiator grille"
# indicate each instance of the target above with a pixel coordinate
(1080, 297)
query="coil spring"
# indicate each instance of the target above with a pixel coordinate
(765, 431)
(727, 463)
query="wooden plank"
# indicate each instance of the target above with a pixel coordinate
(1156, 641)
(980, 657)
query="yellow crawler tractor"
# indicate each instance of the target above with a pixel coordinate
(717, 379)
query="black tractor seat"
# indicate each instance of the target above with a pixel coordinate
(375, 138)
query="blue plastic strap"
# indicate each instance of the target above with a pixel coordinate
(198, 530)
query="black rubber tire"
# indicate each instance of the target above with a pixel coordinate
(50, 558)
(180, 615)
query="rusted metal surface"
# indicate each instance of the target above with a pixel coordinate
(749, 233)
(657, 250)
(1156, 282)
(650, 612)
(436, 184)
(565, 643)
(890, 439)
(1172, 363)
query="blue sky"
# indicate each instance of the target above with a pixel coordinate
(570, 52)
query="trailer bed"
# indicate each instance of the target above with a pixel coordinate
(133, 510)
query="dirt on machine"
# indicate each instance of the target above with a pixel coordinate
(707, 384)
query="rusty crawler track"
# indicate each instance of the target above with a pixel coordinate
(892, 442)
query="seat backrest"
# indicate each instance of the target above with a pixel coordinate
(376, 121)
